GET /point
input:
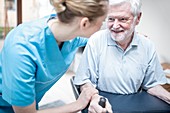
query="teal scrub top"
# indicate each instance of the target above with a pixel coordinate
(31, 62)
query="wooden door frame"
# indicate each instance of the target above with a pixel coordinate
(19, 11)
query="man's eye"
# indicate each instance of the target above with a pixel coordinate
(123, 19)
(111, 19)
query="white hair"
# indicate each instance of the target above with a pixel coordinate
(135, 5)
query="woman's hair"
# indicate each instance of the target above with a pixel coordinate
(135, 5)
(68, 9)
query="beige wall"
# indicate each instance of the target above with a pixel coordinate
(33, 9)
(155, 23)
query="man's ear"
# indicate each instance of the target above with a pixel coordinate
(138, 18)
(84, 23)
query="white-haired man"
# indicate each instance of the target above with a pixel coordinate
(118, 59)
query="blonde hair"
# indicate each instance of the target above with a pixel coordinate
(68, 9)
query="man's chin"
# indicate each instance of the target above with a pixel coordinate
(119, 40)
(117, 37)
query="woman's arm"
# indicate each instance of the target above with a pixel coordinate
(160, 92)
(73, 107)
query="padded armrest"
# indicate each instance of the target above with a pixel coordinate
(136, 103)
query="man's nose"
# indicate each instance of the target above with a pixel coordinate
(116, 24)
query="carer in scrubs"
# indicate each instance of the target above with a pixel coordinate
(36, 55)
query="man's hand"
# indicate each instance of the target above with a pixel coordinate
(96, 108)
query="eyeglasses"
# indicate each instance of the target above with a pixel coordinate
(121, 20)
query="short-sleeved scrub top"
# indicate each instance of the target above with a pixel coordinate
(31, 62)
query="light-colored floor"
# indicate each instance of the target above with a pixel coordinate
(61, 93)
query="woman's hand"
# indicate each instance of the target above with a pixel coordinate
(86, 96)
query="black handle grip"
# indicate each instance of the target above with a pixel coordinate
(102, 102)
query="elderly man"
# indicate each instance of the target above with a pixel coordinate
(118, 59)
